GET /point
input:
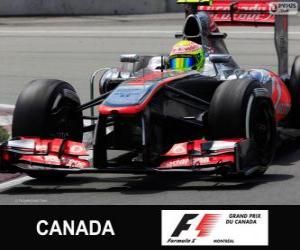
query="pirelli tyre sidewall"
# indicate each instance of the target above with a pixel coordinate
(236, 111)
(46, 108)
(294, 87)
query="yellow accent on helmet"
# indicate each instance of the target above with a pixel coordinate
(188, 49)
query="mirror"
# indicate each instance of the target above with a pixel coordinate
(220, 58)
(179, 35)
(129, 58)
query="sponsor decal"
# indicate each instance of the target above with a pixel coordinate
(215, 227)
(41, 148)
(51, 160)
(245, 12)
(75, 148)
(184, 47)
(178, 149)
(74, 162)
(184, 162)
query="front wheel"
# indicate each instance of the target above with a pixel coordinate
(47, 109)
(241, 109)
(294, 87)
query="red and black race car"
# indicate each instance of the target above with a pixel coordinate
(224, 120)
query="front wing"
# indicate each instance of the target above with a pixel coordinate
(30, 155)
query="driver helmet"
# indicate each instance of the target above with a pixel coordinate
(187, 55)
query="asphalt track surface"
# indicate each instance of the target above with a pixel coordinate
(72, 48)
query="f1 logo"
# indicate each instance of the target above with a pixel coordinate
(204, 227)
(214, 227)
(183, 224)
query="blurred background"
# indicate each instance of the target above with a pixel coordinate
(87, 7)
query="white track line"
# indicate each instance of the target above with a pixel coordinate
(114, 32)
(9, 184)
(6, 107)
(80, 32)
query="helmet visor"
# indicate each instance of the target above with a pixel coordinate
(182, 63)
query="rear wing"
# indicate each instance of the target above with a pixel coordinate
(247, 13)
(254, 13)
(234, 12)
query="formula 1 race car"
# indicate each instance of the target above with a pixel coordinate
(224, 120)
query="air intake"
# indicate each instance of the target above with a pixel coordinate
(192, 27)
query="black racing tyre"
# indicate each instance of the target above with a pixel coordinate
(235, 112)
(45, 108)
(294, 87)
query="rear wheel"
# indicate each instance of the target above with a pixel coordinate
(294, 87)
(46, 108)
(237, 110)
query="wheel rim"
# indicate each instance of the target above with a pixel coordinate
(262, 130)
(62, 118)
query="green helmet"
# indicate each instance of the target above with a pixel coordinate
(187, 55)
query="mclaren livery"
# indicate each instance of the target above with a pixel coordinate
(220, 120)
